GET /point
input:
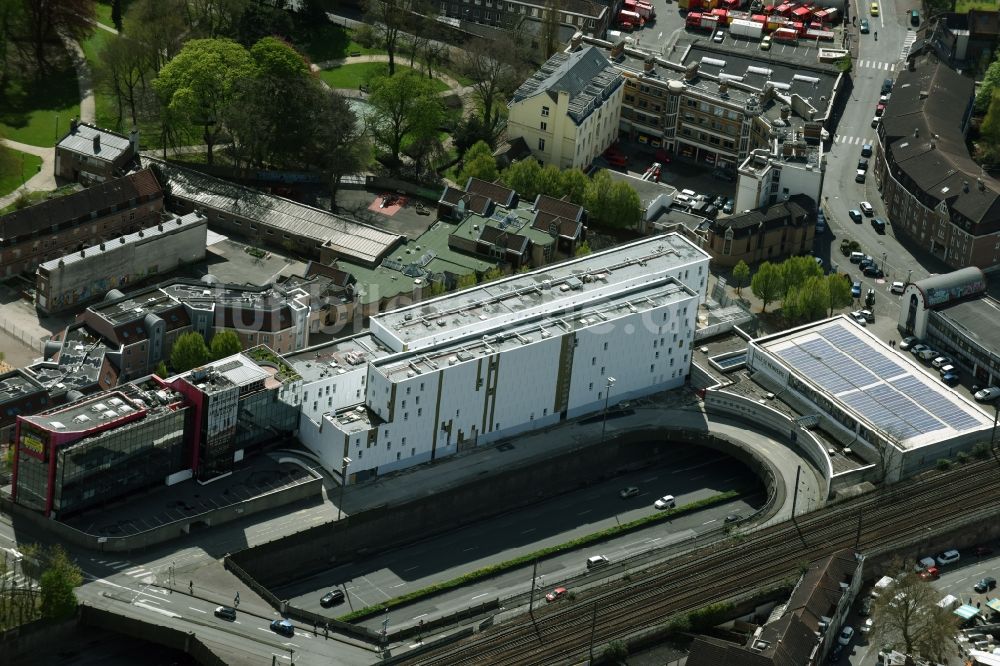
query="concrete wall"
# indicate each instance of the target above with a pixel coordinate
(386, 527)
(305, 490)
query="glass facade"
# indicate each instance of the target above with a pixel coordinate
(32, 481)
(108, 465)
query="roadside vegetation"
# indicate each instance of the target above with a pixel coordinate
(39, 584)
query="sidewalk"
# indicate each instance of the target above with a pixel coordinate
(43, 180)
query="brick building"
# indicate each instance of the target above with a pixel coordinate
(57, 227)
(767, 234)
(90, 154)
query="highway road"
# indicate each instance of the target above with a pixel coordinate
(560, 519)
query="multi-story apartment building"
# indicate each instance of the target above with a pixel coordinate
(568, 111)
(715, 107)
(90, 154)
(80, 277)
(592, 18)
(60, 226)
(447, 374)
(935, 194)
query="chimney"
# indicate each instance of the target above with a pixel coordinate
(160, 226)
(723, 88)
(916, 132)
(97, 142)
(785, 112)
(648, 66)
(72, 126)
(576, 40)
(133, 139)
(691, 72)
(617, 50)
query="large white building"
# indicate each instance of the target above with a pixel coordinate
(506, 357)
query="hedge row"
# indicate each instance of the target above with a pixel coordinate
(549, 551)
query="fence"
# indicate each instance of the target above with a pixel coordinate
(26, 338)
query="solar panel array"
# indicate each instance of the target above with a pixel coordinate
(874, 385)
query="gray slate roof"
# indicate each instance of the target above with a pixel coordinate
(81, 141)
(587, 75)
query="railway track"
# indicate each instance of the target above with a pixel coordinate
(563, 633)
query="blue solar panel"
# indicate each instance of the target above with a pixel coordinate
(877, 386)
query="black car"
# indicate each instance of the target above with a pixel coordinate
(283, 627)
(886, 86)
(332, 598)
(874, 272)
(985, 585)
(719, 202)
(226, 613)
(863, 164)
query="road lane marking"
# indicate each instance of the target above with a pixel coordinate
(395, 586)
(710, 521)
(420, 616)
(197, 610)
(480, 595)
(161, 611)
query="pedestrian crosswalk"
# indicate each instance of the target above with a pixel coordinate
(127, 568)
(907, 43)
(875, 64)
(852, 140)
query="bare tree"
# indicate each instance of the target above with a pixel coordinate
(47, 19)
(906, 613)
(389, 18)
(550, 28)
(493, 75)
(124, 67)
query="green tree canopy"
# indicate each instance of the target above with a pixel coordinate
(225, 343)
(478, 162)
(906, 614)
(767, 284)
(807, 301)
(839, 292)
(741, 275)
(524, 178)
(161, 370)
(189, 351)
(795, 270)
(573, 183)
(989, 83)
(57, 582)
(198, 84)
(405, 108)
(612, 203)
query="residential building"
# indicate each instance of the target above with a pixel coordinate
(713, 107)
(800, 631)
(448, 374)
(786, 169)
(80, 277)
(514, 16)
(508, 231)
(955, 315)
(93, 451)
(935, 195)
(967, 40)
(267, 219)
(568, 111)
(20, 393)
(768, 234)
(90, 154)
(60, 226)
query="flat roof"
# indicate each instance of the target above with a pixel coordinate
(348, 238)
(978, 318)
(503, 303)
(547, 325)
(166, 228)
(235, 370)
(883, 387)
(88, 414)
(337, 357)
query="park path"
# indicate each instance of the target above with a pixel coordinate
(84, 79)
(44, 179)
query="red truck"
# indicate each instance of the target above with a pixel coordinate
(630, 20)
(643, 9)
(701, 21)
(786, 35)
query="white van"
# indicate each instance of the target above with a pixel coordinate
(897, 287)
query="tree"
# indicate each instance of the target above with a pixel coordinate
(493, 75)
(612, 203)
(161, 370)
(795, 271)
(550, 181)
(58, 580)
(550, 27)
(225, 343)
(573, 184)
(388, 17)
(45, 20)
(404, 108)
(523, 177)
(806, 301)
(467, 281)
(906, 614)
(767, 284)
(157, 25)
(478, 162)
(741, 276)
(124, 68)
(989, 130)
(214, 18)
(838, 291)
(198, 84)
(262, 19)
(116, 14)
(468, 132)
(493, 274)
(990, 80)
(583, 250)
(189, 351)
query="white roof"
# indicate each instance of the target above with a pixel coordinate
(82, 141)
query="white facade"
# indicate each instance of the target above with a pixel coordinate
(765, 179)
(512, 356)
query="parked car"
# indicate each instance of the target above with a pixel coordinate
(917, 348)
(869, 316)
(765, 44)
(988, 394)
(864, 26)
(908, 342)
(835, 654)
(332, 598)
(886, 86)
(728, 208)
(930, 573)
(856, 316)
(875, 121)
(951, 379)
(734, 518)
(879, 109)
(855, 215)
(914, 17)
(897, 287)
(631, 491)
(856, 290)
(927, 355)
(867, 626)
(557, 593)
(878, 224)
(859, 177)
(596, 561)
(985, 584)
(948, 557)
(616, 160)
(226, 613)
(866, 149)
(845, 636)
(665, 502)
(863, 164)
(718, 37)
(873, 271)
(866, 208)
(923, 563)
(283, 627)
(940, 361)
(719, 201)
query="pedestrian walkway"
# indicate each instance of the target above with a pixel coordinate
(876, 64)
(853, 140)
(42, 181)
(907, 44)
(83, 78)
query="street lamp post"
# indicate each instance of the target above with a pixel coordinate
(996, 418)
(343, 484)
(884, 255)
(607, 396)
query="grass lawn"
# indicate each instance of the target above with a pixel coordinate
(23, 163)
(35, 197)
(103, 8)
(963, 6)
(352, 76)
(331, 42)
(30, 110)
